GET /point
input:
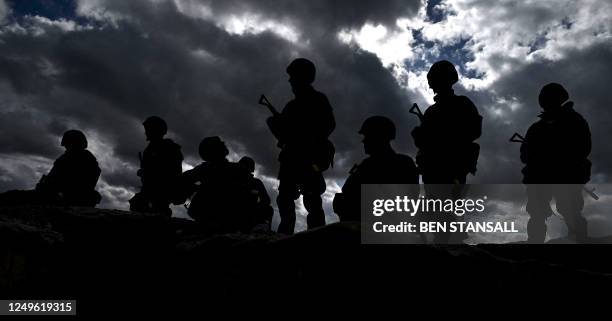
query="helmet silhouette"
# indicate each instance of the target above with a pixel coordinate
(156, 125)
(378, 127)
(74, 139)
(212, 148)
(302, 70)
(248, 163)
(442, 73)
(553, 95)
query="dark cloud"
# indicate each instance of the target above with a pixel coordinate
(204, 80)
(110, 70)
(585, 74)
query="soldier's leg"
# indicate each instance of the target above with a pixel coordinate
(443, 192)
(570, 203)
(313, 187)
(538, 208)
(287, 193)
(162, 208)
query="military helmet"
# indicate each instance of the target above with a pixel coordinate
(379, 127)
(212, 148)
(553, 94)
(74, 139)
(303, 70)
(156, 124)
(443, 72)
(248, 163)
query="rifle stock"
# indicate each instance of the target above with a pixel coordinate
(263, 100)
(416, 111)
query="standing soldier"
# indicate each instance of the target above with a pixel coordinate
(160, 170)
(555, 153)
(445, 138)
(383, 166)
(302, 129)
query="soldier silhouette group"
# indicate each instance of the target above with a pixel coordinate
(225, 196)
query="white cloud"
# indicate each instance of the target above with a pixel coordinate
(501, 36)
(234, 23)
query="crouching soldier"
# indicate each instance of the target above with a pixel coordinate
(555, 153)
(383, 166)
(263, 208)
(160, 171)
(222, 202)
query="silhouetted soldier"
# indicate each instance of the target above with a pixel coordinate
(555, 153)
(302, 129)
(383, 166)
(263, 208)
(71, 181)
(223, 201)
(160, 170)
(445, 138)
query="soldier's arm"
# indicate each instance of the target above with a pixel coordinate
(328, 121)
(585, 144)
(527, 145)
(95, 171)
(473, 119)
(55, 176)
(264, 197)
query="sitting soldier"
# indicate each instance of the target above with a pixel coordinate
(222, 201)
(71, 181)
(160, 171)
(263, 209)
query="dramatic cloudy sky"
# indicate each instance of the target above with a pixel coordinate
(103, 66)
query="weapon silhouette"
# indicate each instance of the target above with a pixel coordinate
(518, 138)
(263, 100)
(415, 110)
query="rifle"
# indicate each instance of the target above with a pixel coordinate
(265, 102)
(271, 123)
(416, 111)
(518, 138)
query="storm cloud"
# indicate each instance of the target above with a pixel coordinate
(103, 66)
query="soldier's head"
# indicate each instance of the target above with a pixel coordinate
(74, 140)
(442, 76)
(301, 74)
(247, 163)
(213, 149)
(552, 96)
(155, 128)
(378, 132)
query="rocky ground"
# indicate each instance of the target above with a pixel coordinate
(121, 261)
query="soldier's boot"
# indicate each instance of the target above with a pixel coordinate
(286, 210)
(314, 206)
(577, 228)
(536, 230)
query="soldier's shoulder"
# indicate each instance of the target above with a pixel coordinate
(89, 156)
(319, 96)
(466, 102)
(577, 116)
(168, 143)
(404, 159)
